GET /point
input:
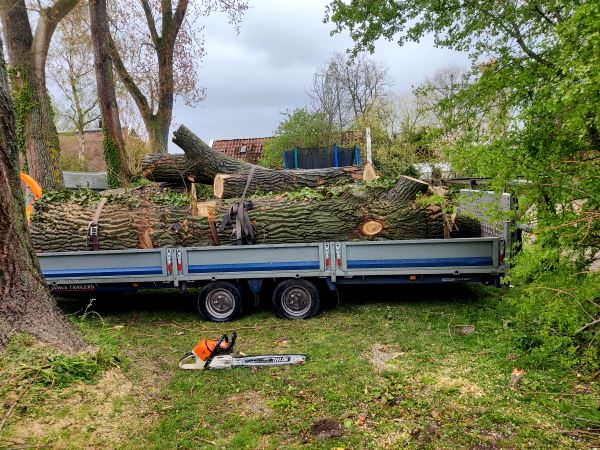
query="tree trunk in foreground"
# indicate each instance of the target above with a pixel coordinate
(27, 56)
(25, 302)
(114, 146)
(143, 218)
(229, 175)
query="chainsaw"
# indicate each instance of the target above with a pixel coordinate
(218, 354)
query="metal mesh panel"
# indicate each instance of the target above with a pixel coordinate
(487, 206)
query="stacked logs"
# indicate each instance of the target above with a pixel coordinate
(229, 175)
(160, 215)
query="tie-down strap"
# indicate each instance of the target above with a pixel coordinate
(237, 213)
(93, 241)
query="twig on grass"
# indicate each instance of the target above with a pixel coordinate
(16, 402)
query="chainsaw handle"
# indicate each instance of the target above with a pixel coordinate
(214, 351)
(232, 343)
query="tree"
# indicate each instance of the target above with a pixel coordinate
(345, 88)
(328, 95)
(71, 72)
(25, 302)
(157, 59)
(27, 53)
(114, 146)
(534, 86)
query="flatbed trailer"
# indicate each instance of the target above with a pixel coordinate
(299, 271)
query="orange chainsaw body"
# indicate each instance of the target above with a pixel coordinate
(205, 347)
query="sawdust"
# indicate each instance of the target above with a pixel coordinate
(394, 439)
(449, 379)
(89, 416)
(250, 403)
(381, 355)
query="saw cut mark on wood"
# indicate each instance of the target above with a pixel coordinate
(371, 228)
(369, 173)
(218, 184)
(206, 209)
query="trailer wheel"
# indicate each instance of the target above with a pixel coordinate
(220, 301)
(296, 299)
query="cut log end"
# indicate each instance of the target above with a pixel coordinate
(206, 209)
(369, 173)
(371, 228)
(219, 184)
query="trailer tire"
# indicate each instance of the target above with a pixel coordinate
(296, 299)
(220, 301)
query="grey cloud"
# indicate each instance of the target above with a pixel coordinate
(251, 77)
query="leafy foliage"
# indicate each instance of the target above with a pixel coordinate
(530, 108)
(300, 128)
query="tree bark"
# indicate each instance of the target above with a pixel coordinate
(141, 218)
(231, 186)
(229, 175)
(114, 146)
(25, 302)
(27, 53)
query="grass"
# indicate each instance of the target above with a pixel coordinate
(392, 368)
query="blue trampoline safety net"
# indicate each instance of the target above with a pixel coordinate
(320, 158)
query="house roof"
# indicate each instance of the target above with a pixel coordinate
(246, 149)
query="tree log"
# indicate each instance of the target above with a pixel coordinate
(228, 175)
(231, 186)
(140, 218)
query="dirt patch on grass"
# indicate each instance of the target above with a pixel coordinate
(326, 428)
(381, 356)
(104, 414)
(250, 404)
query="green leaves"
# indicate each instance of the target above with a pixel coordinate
(300, 128)
(530, 109)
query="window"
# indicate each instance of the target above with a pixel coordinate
(243, 149)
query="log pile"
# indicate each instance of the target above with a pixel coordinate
(160, 215)
(229, 175)
(142, 218)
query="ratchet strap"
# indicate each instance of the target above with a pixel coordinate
(93, 241)
(237, 217)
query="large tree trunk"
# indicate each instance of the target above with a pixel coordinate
(158, 131)
(146, 218)
(25, 302)
(229, 175)
(114, 146)
(27, 54)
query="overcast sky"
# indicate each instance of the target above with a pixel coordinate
(252, 76)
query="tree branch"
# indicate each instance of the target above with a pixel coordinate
(544, 16)
(140, 99)
(151, 23)
(175, 24)
(588, 325)
(49, 18)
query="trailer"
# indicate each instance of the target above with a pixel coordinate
(299, 272)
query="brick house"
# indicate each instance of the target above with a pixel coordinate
(93, 150)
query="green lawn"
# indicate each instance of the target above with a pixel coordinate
(390, 368)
